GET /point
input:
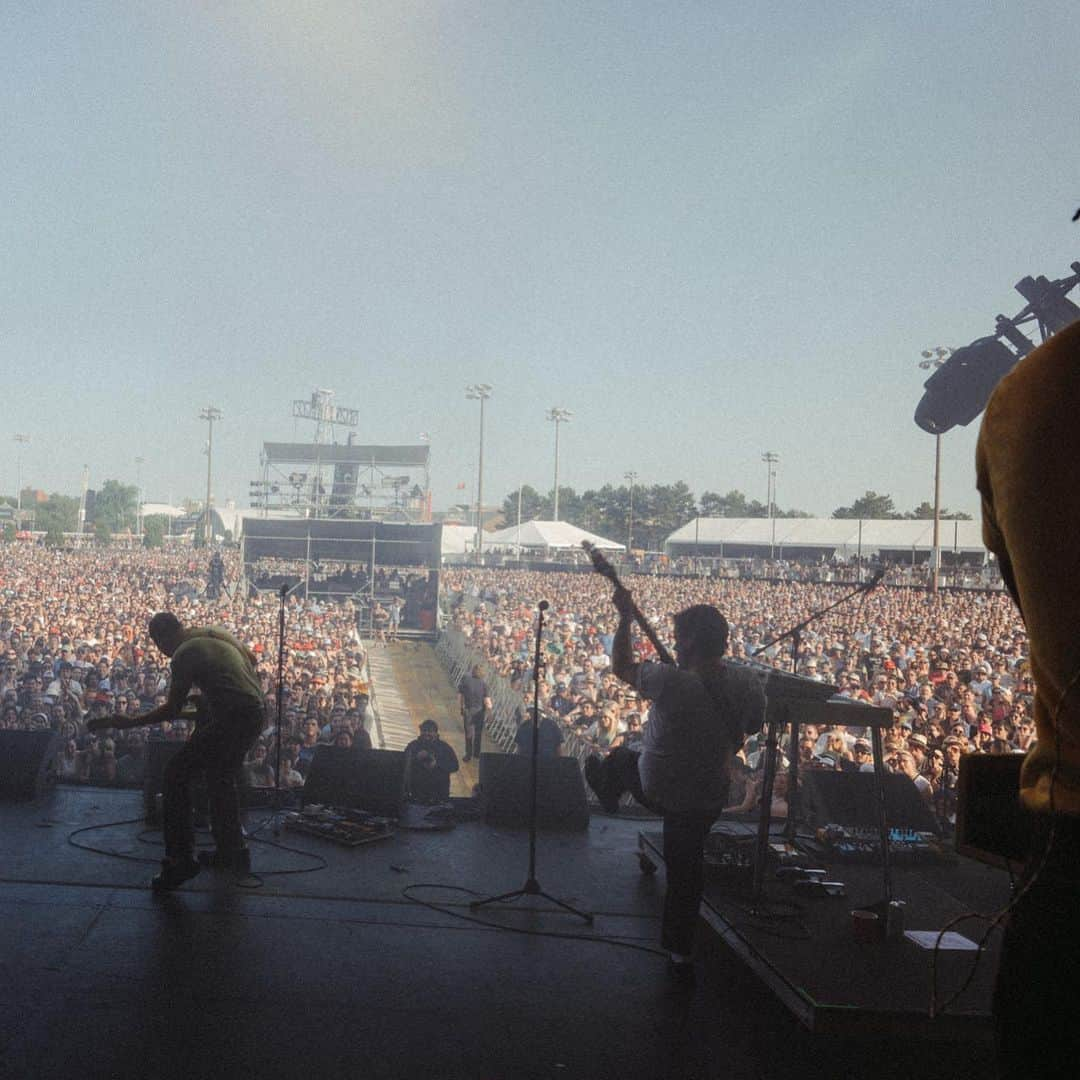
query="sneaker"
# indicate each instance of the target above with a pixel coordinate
(240, 859)
(596, 777)
(682, 973)
(174, 872)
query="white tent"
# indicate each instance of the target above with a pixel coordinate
(546, 535)
(458, 539)
(844, 536)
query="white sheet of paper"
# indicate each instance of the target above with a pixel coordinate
(927, 939)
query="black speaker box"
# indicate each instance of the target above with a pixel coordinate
(27, 763)
(506, 785)
(991, 823)
(372, 780)
(851, 798)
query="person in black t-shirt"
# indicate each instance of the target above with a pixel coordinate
(474, 700)
(549, 738)
(428, 765)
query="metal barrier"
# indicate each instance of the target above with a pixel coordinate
(508, 705)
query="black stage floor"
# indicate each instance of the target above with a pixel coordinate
(338, 973)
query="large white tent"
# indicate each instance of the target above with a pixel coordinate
(844, 537)
(546, 535)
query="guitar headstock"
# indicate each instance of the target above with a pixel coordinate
(600, 564)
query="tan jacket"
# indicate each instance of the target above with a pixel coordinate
(1028, 473)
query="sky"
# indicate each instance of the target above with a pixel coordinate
(710, 230)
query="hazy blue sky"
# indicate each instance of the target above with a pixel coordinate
(709, 229)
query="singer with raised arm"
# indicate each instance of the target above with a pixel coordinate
(701, 708)
(224, 670)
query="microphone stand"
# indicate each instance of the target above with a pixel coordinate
(283, 592)
(532, 885)
(772, 745)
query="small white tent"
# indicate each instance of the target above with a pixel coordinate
(546, 535)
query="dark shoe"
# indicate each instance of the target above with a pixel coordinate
(174, 872)
(596, 777)
(682, 974)
(240, 859)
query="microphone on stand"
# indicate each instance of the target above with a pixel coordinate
(874, 581)
(543, 605)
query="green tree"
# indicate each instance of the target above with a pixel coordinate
(102, 534)
(9, 531)
(117, 505)
(925, 512)
(58, 513)
(54, 538)
(532, 504)
(734, 504)
(870, 506)
(154, 531)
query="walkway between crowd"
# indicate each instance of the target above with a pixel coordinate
(420, 685)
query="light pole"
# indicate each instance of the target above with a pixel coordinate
(20, 442)
(771, 459)
(209, 414)
(557, 416)
(138, 498)
(631, 479)
(934, 358)
(479, 392)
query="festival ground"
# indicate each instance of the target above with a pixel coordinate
(342, 971)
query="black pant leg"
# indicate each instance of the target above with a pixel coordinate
(684, 843)
(1037, 993)
(176, 811)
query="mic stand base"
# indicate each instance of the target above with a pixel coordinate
(532, 888)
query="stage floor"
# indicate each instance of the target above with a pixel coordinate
(803, 946)
(337, 972)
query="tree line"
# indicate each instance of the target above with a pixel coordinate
(659, 509)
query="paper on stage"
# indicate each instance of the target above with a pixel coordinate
(927, 939)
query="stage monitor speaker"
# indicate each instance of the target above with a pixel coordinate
(991, 823)
(159, 752)
(506, 784)
(851, 798)
(27, 763)
(372, 780)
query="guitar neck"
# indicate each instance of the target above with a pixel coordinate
(603, 567)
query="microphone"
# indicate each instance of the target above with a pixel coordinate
(543, 605)
(284, 590)
(875, 580)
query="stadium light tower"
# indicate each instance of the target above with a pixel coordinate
(631, 479)
(557, 416)
(935, 358)
(479, 392)
(20, 442)
(209, 414)
(139, 461)
(771, 460)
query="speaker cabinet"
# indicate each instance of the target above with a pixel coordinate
(372, 780)
(851, 798)
(991, 823)
(27, 763)
(506, 784)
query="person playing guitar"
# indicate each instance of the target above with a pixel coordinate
(701, 709)
(224, 670)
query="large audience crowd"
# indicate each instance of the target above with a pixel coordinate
(73, 644)
(952, 666)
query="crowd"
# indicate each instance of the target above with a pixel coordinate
(73, 644)
(952, 666)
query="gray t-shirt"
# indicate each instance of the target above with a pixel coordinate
(689, 739)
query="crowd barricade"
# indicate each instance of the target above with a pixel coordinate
(459, 656)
